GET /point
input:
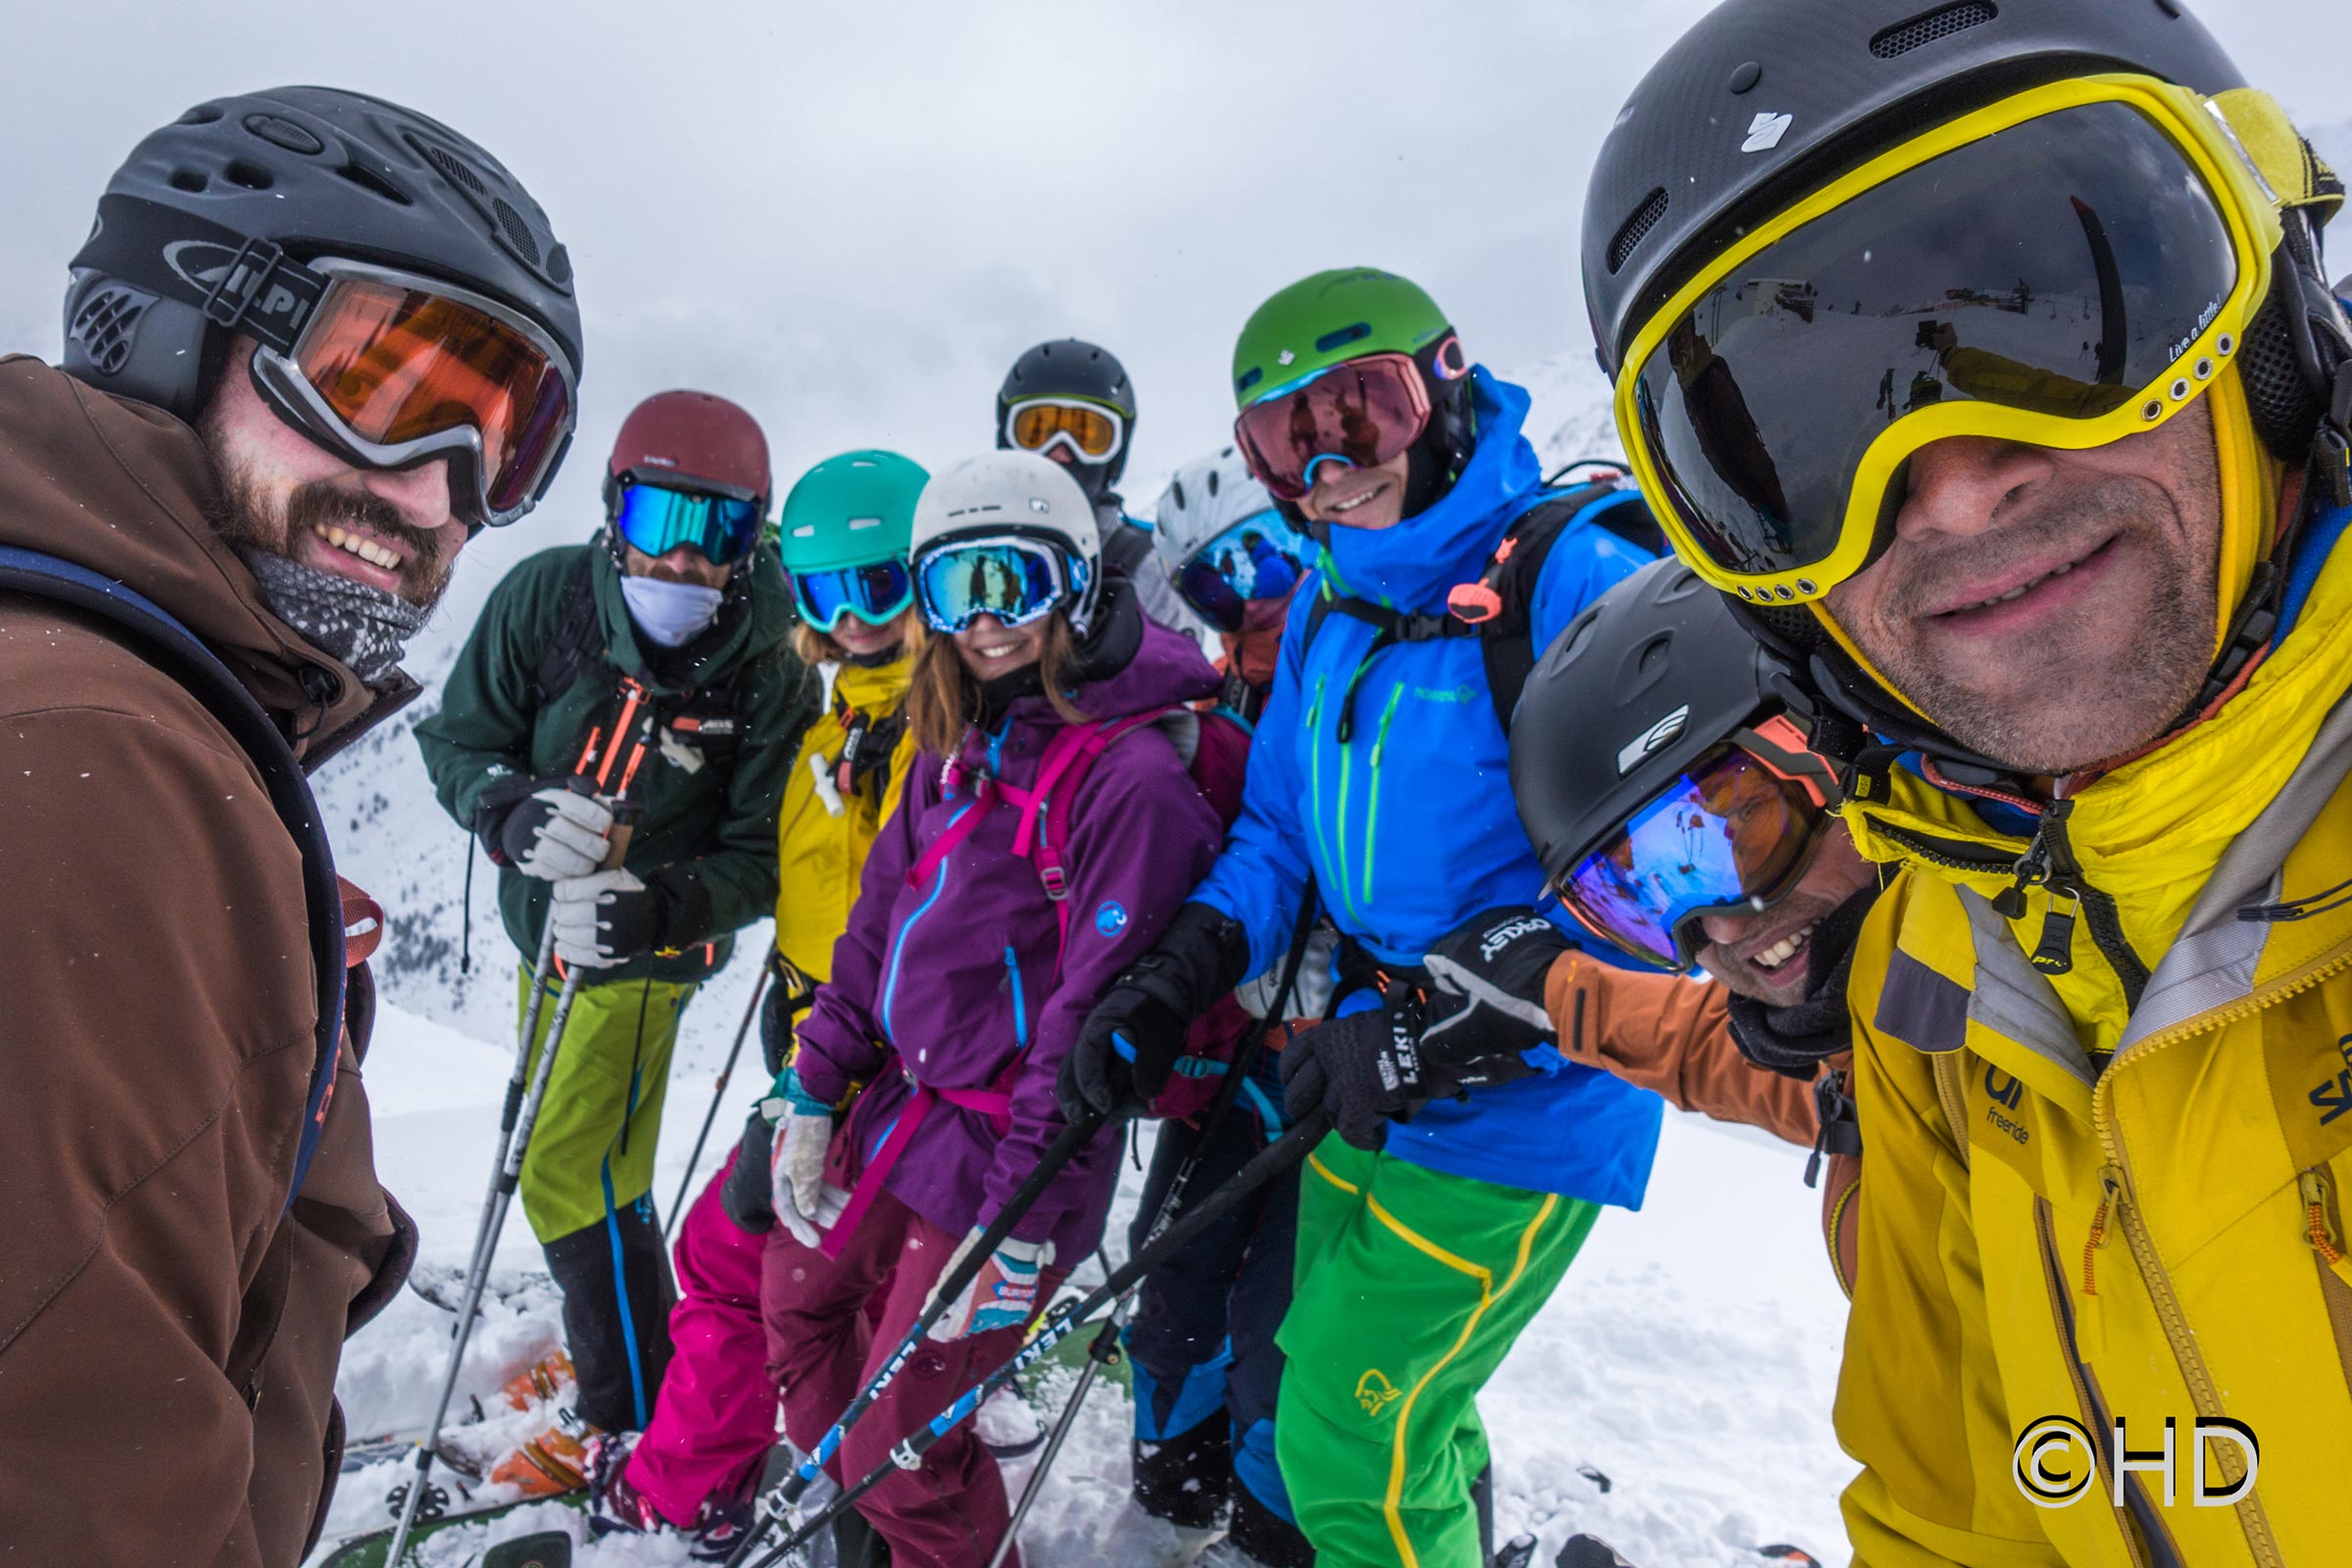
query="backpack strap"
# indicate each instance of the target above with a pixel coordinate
(163, 641)
(576, 640)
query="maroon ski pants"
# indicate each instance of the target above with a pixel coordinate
(823, 1345)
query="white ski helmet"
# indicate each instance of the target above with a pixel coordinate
(1206, 497)
(1019, 495)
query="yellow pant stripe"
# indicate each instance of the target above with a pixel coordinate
(1325, 1172)
(1391, 1506)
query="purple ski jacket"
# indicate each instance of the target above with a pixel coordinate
(946, 981)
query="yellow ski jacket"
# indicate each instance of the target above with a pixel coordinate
(822, 834)
(2110, 1132)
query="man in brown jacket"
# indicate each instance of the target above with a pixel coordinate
(217, 528)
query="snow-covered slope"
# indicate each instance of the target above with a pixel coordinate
(1690, 1358)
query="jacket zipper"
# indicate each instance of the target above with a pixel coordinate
(2324, 1229)
(1380, 741)
(1314, 785)
(2095, 1419)
(2252, 1517)
(1020, 1010)
(2050, 861)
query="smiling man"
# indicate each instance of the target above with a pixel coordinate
(312, 342)
(1424, 1248)
(649, 666)
(2036, 474)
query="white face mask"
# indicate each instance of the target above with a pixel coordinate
(671, 613)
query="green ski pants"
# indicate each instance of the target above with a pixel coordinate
(1412, 1286)
(603, 1113)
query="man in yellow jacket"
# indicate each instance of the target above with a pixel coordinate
(1983, 358)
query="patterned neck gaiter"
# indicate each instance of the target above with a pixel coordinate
(364, 627)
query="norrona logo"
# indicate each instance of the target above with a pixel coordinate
(1650, 740)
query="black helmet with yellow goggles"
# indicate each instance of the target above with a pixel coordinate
(1825, 233)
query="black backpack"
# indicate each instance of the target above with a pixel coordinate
(158, 637)
(711, 711)
(1497, 608)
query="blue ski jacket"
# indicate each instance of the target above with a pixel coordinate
(1409, 828)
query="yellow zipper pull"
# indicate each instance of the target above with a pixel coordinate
(2091, 1325)
(2313, 1184)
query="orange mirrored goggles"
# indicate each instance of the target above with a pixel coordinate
(392, 370)
(1089, 430)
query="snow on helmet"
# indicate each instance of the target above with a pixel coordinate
(1015, 494)
(1080, 371)
(690, 440)
(293, 174)
(1206, 497)
(854, 510)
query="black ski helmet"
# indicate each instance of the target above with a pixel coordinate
(298, 173)
(1071, 367)
(1763, 102)
(1649, 678)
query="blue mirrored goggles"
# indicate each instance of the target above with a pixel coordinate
(656, 519)
(1015, 581)
(1259, 557)
(877, 593)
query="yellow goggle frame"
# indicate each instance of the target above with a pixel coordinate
(2196, 128)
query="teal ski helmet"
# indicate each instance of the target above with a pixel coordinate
(844, 533)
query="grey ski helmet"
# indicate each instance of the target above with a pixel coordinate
(1207, 496)
(1071, 368)
(204, 230)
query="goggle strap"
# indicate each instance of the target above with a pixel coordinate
(1781, 747)
(244, 285)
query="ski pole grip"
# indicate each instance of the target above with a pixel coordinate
(624, 827)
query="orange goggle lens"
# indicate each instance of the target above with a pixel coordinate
(399, 365)
(1095, 430)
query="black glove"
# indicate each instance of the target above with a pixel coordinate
(788, 996)
(1485, 997)
(1366, 1069)
(550, 827)
(1129, 1043)
(745, 1196)
(606, 919)
(1794, 1041)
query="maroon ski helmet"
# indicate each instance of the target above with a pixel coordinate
(691, 440)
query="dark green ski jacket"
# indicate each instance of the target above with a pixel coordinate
(729, 708)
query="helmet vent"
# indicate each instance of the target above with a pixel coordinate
(191, 180)
(105, 324)
(1645, 217)
(518, 232)
(375, 183)
(1933, 28)
(248, 176)
(454, 170)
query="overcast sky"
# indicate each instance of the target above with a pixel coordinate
(852, 217)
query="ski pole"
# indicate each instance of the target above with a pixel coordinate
(717, 1093)
(517, 1143)
(1074, 1138)
(1103, 1351)
(1271, 1161)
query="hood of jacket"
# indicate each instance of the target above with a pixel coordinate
(2146, 837)
(749, 624)
(1413, 565)
(127, 491)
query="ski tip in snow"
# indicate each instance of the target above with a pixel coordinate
(1593, 1473)
(1590, 1551)
(548, 1548)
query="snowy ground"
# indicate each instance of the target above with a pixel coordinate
(1689, 1357)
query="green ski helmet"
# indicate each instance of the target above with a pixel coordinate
(844, 533)
(1348, 313)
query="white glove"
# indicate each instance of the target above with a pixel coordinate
(557, 833)
(602, 920)
(1001, 1296)
(806, 1204)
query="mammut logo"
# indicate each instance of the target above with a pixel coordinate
(2333, 1096)
(1112, 918)
(1630, 755)
(1765, 131)
(1375, 1392)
